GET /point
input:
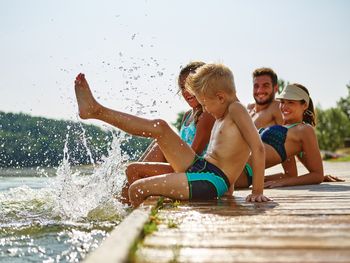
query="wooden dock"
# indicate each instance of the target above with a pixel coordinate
(302, 224)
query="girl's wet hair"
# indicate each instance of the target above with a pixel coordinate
(309, 115)
(188, 69)
(185, 71)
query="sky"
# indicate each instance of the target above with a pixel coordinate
(132, 51)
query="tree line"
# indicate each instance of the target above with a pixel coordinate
(27, 141)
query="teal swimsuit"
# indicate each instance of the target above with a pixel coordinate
(187, 133)
(205, 180)
(274, 136)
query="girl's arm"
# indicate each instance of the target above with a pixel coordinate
(311, 160)
(203, 130)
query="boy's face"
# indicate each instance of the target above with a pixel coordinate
(212, 105)
(263, 90)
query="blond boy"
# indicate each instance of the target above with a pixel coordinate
(234, 138)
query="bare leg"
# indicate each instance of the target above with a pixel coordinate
(154, 154)
(178, 153)
(174, 185)
(137, 171)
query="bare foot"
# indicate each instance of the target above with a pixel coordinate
(88, 106)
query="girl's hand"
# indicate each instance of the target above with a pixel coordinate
(257, 198)
(273, 184)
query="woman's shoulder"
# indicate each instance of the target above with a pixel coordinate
(305, 130)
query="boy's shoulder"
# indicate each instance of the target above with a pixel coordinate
(236, 106)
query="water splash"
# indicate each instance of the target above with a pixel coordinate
(68, 217)
(79, 196)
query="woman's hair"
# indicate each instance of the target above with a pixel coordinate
(189, 68)
(309, 115)
(185, 71)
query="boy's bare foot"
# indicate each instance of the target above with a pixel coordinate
(88, 106)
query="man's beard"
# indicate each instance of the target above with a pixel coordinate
(267, 101)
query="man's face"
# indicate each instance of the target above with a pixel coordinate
(263, 90)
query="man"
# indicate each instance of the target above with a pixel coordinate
(265, 111)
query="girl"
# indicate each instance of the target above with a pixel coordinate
(195, 130)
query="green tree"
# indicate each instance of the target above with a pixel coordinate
(27, 141)
(281, 85)
(333, 126)
(344, 103)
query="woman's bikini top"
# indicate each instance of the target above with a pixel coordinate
(275, 136)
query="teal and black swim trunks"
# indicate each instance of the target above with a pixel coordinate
(249, 173)
(206, 181)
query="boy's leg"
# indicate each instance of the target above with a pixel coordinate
(137, 171)
(173, 185)
(177, 152)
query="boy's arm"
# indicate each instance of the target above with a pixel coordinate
(247, 128)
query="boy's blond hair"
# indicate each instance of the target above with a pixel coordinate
(211, 78)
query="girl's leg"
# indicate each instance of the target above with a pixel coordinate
(173, 185)
(153, 154)
(177, 152)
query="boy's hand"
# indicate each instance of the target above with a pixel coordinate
(257, 198)
(332, 178)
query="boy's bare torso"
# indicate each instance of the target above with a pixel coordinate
(227, 148)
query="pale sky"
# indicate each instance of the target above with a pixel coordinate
(131, 51)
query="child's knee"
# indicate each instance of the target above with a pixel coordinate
(136, 190)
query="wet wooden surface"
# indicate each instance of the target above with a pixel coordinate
(302, 224)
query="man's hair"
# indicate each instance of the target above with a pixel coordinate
(266, 71)
(210, 78)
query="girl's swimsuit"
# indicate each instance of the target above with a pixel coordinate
(188, 132)
(205, 180)
(274, 136)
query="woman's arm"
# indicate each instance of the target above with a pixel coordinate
(289, 168)
(311, 160)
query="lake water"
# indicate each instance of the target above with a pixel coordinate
(59, 215)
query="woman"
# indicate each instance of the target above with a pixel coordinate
(195, 130)
(296, 137)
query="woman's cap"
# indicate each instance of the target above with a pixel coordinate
(293, 92)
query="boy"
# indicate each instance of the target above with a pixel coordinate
(233, 137)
